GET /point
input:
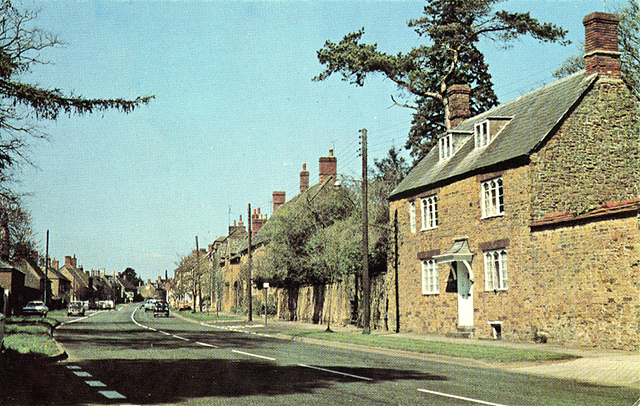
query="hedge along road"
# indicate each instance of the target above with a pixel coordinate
(132, 357)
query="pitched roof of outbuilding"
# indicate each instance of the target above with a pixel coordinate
(532, 118)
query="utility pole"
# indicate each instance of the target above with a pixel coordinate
(46, 271)
(195, 275)
(366, 289)
(249, 270)
(395, 266)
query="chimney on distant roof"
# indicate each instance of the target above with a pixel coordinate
(278, 198)
(237, 231)
(257, 221)
(304, 178)
(601, 45)
(328, 167)
(458, 99)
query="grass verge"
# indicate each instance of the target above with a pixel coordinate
(480, 352)
(30, 344)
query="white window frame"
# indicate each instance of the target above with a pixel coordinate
(495, 270)
(412, 216)
(482, 134)
(445, 147)
(429, 212)
(492, 197)
(430, 277)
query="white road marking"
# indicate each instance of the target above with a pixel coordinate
(111, 394)
(73, 367)
(253, 355)
(179, 338)
(82, 374)
(207, 345)
(460, 397)
(95, 383)
(336, 372)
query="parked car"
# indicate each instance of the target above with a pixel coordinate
(149, 305)
(106, 305)
(35, 307)
(75, 309)
(161, 309)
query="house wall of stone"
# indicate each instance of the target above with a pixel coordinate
(585, 280)
(593, 158)
(460, 215)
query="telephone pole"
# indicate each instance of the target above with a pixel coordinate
(46, 271)
(366, 289)
(249, 270)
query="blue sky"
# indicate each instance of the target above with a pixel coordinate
(235, 114)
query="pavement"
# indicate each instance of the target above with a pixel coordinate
(594, 366)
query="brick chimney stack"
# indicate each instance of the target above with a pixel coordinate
(601, 45)
(304, 178)
(279, 198)
(257, 221)
(458, 96)
(328, 167)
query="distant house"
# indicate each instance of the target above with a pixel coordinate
(60, 286)
(523, 221)
(80, 281)
(12, 284)
(35, 281)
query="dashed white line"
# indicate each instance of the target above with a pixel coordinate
(82, 374)
(111, 394)
(95, 383)
(206, 345)
(335, 372)
(179, 338)
(482, 402)
(253, 355)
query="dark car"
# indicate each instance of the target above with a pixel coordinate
(161, 309)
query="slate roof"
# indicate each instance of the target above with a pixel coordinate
(533, 118)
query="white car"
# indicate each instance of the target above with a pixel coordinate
(150, 305)
(35, 307)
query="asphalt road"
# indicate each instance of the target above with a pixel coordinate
(129, 357)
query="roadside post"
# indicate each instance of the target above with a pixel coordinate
(265, 287)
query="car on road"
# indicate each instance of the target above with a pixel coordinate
(35, 307)
(106, 305)
(150, 305)
(161, 309)
(75, 309)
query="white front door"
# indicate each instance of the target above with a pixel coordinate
(465, 297)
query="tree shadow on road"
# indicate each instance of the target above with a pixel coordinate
(174, 381)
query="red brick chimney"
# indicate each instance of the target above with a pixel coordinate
(328, 167)
(67, 261)
(304, 178)
(601, 45)
(278, 199)
(257, 221)
(458, 96)
(55, 264)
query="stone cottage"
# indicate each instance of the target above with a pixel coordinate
(522, 222)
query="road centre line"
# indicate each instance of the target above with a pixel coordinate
(482, 402)
(336, 372)
(253, 355)
(206, 345)
(179, 338)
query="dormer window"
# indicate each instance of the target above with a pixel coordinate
(446, 147)
(483, 136)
